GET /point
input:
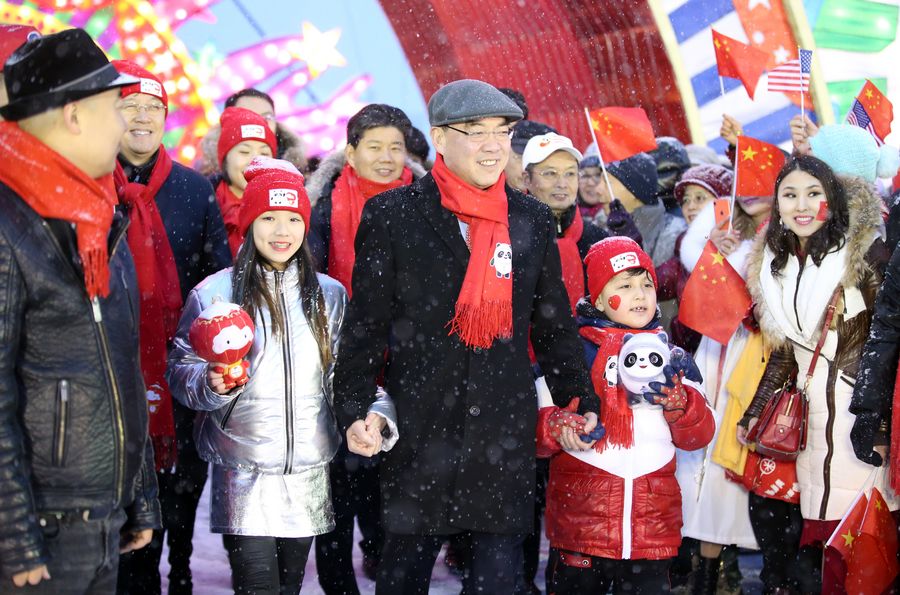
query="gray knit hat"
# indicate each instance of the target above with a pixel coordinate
(467, 100)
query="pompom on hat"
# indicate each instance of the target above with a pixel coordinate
(716, 179)
(148, 83)
(273, 185)
(239, 125)
(609, 257)
(851, 150)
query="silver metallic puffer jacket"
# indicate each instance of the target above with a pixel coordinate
(281, 421)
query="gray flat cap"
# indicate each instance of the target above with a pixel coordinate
(467, 100)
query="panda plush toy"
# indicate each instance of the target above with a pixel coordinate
(642, 360)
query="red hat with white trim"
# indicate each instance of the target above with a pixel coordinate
(273, 185)
(148, 83)
(609, 257)
(239, 125)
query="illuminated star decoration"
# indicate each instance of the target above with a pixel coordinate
(318, 49)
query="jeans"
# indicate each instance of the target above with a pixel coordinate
(84, 556)
(267, 565)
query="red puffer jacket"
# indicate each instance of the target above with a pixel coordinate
(623, 503)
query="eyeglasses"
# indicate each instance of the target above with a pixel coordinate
(590, 177)
(131, 108)
(552, 176)
(480, 136)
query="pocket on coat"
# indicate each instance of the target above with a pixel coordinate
(61, 427)
(657, 513)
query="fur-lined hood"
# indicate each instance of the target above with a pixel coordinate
(865, 222)
(288, 140)
(321, 181)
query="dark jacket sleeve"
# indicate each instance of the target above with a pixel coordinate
(320, 233)
(144, 512)
(217, 253)
(779, 368)
(554, 335)
(893, 223)
(21, 541)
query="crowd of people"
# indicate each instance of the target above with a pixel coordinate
(457, 351)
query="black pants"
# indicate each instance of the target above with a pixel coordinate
(598, 575)
(355, 493)
(407, 562)
(777, 526)
(84, 557)
(532, 545)
(267, 565)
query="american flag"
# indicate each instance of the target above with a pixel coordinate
(859, 117)
(793, 75)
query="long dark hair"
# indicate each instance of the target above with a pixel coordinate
(250, 290)
(831, 236)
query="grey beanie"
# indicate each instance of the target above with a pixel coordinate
(467, 100)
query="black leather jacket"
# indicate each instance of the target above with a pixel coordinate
(73, 409)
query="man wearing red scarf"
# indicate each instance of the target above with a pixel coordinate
(451, 273)
(76, 463)
(177, 239)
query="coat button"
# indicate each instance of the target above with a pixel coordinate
(474, 410)
(477, 349)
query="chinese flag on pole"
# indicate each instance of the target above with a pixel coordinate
(878, 108)
(622, 132)
(757, 165)
(739, 61)
(715, 298)
(872, 565)
(840, 545)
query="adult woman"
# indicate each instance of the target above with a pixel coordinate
(822, 240)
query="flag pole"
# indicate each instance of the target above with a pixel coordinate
(800, 82)
(737, 160)
(587, 114)
(721, 86)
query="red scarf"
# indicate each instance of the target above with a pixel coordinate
(570, 258)
(160, 292)
(484, 304)
(56, 189)
(230, 205)
(615, 413)
(347, 201)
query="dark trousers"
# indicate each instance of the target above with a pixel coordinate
(179, 494)
(267, 565)
(532, 545)
(84, 556)
(355, 493)
(598, 575)
(407, 562)
(777, 526)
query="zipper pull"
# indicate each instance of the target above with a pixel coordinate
(95, 306)
(279, 284)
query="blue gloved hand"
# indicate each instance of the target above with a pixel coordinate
(596, 434)
(681, 361)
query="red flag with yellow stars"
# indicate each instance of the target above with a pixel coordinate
(622, 132)
(873, 565)
(878, 108)
(840, 545)
(757, 165)
(739, 61)
(715, 298)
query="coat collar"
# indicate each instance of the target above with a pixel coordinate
(443, 221)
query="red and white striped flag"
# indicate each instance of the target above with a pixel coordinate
(793, 75)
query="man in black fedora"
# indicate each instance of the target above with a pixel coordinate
(77, 485)
(453, 274)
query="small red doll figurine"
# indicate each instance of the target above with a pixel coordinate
(224, 333)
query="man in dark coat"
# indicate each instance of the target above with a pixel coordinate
(178, 239)
(451, 273)
(76, 467)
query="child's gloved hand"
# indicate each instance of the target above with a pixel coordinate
(565, 418)
(672, 395)
(681, 362)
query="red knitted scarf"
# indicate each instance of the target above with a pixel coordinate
(230, 205)
(570, 258)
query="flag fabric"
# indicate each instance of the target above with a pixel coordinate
(756, 165)
(840, 545)
(622, 132)
(873, 111)
(873, 565)
(793, 75)
(715, 298)
(739, 60)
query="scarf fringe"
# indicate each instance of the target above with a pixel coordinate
(619, 424)
(478, 325)
(96, 272)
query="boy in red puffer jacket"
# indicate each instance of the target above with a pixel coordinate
(614, 505)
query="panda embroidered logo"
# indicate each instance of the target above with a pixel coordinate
(641, 361)
(502, 260)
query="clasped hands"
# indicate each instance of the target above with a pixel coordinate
(364, 436)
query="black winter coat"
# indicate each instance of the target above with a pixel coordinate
(466, 455)
(73, 409)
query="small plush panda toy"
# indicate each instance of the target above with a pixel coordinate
(642, 360)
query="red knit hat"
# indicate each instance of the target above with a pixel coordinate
(239, 125)
(272, 185)
(12, 37)
(611, 256)
(149, 84)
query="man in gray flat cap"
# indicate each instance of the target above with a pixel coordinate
(451, 274)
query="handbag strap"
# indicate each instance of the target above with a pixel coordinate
(826, 324)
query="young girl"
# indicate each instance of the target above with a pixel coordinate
(270, 441)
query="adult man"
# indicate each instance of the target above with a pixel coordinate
(75, 462)
(465, 398)
(177, 238)
(523, 131)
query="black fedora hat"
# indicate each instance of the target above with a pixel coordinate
(50, 71)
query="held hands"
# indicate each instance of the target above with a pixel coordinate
(730, 130)
(31, 577)
(570, 429)
(134, 540)
(802, 128)
(364, 437)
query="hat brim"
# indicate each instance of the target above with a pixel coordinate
(538, 158)
(509, 115)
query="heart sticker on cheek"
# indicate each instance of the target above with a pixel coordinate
(614, 302)
(823, 213)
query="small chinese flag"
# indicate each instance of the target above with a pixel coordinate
(715, 298)
(873, 565)
(739, 61)
(843, 537)
(622, 132)
(757, 164)
(878, 107)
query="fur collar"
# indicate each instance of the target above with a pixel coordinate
(865, 220)
(320, 182)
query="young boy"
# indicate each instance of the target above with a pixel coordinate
(614, 505)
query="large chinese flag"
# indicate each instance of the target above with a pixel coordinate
(739, 61)
(873, 565)
(757, 164)
(622, 132)
(878, 108)
(715, 298)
